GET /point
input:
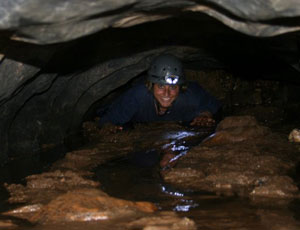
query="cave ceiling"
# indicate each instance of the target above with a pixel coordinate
(46, 22)
(61, 21)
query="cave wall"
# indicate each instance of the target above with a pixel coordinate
(52, 73)
(44, 22)
(50, 102)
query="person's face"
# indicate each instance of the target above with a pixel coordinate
(165, 94)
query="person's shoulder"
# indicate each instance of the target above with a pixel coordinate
(138, 91)
(193, 85)
(140, 87)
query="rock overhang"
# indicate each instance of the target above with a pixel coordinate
(56, 78)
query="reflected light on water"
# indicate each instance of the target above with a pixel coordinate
(172, 193)
(179, 135)
(179, 148)
(185, 207)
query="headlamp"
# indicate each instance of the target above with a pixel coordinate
(171, 79)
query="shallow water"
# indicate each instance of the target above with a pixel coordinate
(15, 171)
(125, 178)
(137, 177)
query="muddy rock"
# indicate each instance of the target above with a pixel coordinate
(236, 129)
(164, 221)
(140, 137)
(294, 135)
(41, 188)
(24, 212)
(83, 160)
(237, 121)
(275, 186)
(25, 209)
(78, 160)
(278, 219)
(242, 158)
(108, 133)
(7, 224)
(60, 180)
(89, 205)
(184, 176)
(246, 160)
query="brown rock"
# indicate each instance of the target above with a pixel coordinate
(7, 224)
(41, 188)
(184, 176)
(164, 221)
(58, 179)
(294, 135)
(89, 205)
(276, 186)
(236, 121)
(244, 159)
(236, 129)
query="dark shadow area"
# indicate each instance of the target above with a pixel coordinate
(222, 47)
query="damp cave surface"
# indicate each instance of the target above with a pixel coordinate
(137, 177)
(255, 89)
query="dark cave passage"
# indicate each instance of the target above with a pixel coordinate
(54, 157)
(73, 79)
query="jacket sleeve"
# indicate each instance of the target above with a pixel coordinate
(121, 110)
(205, 101)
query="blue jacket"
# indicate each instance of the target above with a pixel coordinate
(137, 105)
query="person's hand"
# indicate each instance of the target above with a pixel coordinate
(116, 128)
(204, 119)
(111, 128)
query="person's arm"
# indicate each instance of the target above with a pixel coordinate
(207, 107)
(204, 119)
(121, 110)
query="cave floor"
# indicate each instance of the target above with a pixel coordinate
(243, 177)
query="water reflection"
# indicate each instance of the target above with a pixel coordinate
(186, 206)
(137, 177)
(165, 190)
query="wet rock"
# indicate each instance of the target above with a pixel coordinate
(84, 160)
(89, 205)
(41, 188)
(237, 121)
(253, 167)
(66, 193)
(25, 209)
(278, 219)
(184, 176)
(24, 212)
(276, 186)
(78, 160)
(242, 158)
(60, 180)
(165, 221)
(140, 137)
(236, 129)
(294, 135)
(145, 133)
(107, 134)
(7, 224)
